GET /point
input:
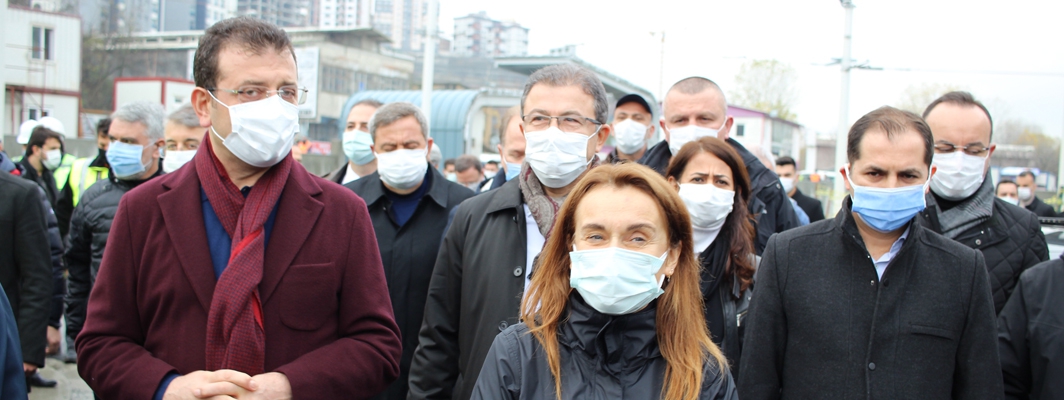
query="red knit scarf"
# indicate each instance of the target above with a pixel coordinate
(235, 335)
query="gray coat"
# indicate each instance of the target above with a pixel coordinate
(474, 293)
(822, 326)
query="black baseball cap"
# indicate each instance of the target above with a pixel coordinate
(635, 98)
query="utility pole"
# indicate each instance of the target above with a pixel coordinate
(844, 102)
(428, 66)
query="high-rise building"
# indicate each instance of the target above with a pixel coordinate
(284, 13)
(343, 13)
(131, 16)
(480, 36)
(403, 21)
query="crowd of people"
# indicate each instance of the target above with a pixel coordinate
(195, 258)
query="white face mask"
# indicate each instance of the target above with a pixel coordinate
(630, 136)
(1025, 193)
(787, 183)
(708, 205)
(402, 169)
(689, 133)
(616, 281)
(557, 157)
(489, 174)
(52, 159)
(959, 175)
(262, 131)
(1011, 200)
(174, 159)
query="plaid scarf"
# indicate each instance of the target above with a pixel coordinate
(236, 338)
(542, 206)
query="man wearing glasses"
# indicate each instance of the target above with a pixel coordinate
(487, 256)
(962, 205)
(241, 275)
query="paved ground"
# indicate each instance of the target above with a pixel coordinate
(70, 386)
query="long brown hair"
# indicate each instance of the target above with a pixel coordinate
(681, 326)
(737, 227)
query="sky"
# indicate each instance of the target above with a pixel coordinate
(1008, 54)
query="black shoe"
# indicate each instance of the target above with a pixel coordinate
(36, 380)
(70, 357)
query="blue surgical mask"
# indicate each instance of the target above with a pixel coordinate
(512, 170)
(615, 281)
(887, 209)
(126, 160)
(356, 147)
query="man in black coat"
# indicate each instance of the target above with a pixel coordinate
(1028, 199)
(873, 304)
(962, 204)
(1031, 334)
(787, 169)
(25, 271)
(488, 252)
(695, 107)
(409, 215)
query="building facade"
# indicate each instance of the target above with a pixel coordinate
(42, 67)
(476, 35)
(284, 13)
(403, 21)
(343, 13)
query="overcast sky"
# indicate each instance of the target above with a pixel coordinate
(1008, 54)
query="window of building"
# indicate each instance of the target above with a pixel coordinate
(740, 130)
(36, 113)
(42, 43)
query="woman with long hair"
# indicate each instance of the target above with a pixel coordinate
(614, 309)
(712, 181)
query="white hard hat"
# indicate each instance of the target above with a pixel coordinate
(53, 124)
(25, 130)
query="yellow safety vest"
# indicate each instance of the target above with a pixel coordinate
(83, 176)
(63, 172)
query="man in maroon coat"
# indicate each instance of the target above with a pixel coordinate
(240, 275)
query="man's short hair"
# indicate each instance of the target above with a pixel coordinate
(511, 113)
(184, 116)
(246, 33)
(892, 121)
(492, 162)
(145, 112)
(449, 161)
(961, 99)
(1005, 182)
(391, 112)
(571, 75)
(103, 127)
(467, 161)
(696, 85)
(368, 102)
(40, 135)
(1026, 172)
(786, 160)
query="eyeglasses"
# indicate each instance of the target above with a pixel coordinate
(568, 123)
(977, 150)
(247, 94)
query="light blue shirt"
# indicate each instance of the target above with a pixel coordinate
(881, 263)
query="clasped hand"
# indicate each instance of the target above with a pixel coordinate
(229, 384)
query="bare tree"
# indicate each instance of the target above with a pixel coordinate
(1046, 148)
(915, 98)
(767, 85)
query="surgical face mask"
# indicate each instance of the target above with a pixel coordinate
(615, 281)
(126, 160)
(174, 159)
(630, 136)
(262, 131)
(689, 133)
(959, 175)
(356, 146)
(451, 176)
(489, 174)
(887, 209)
(557, 157)
(1011, 200)
(787, 183)
(1025, 193)
(474, 186)
(52, 159)
(402, 169)
(708, 205)
(512, 170)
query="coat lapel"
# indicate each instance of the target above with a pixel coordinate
(297, 214)
(183, 214)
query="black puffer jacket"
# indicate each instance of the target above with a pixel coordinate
(1011, 242)
(89, 226)
(1031, 335)
(602, 357)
